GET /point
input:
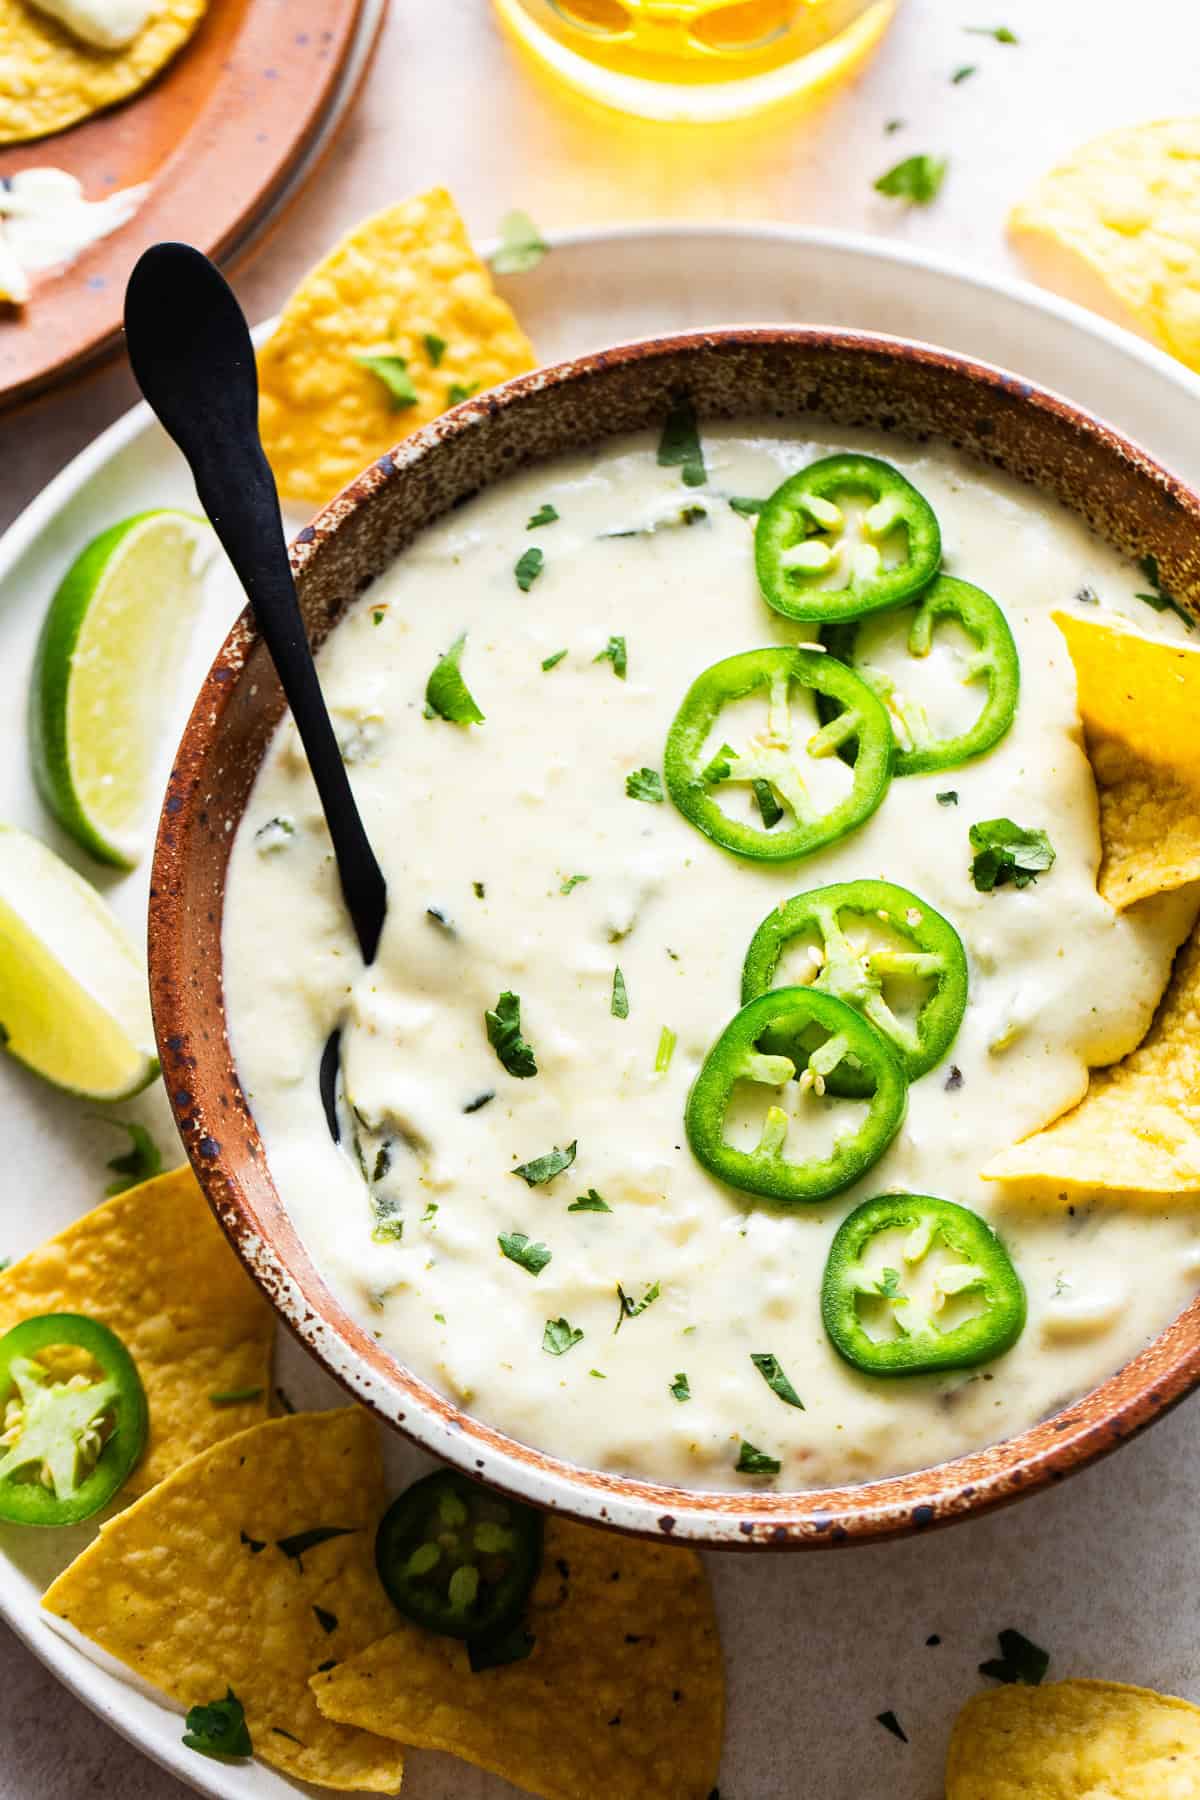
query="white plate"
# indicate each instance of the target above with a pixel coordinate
(1100, 1571)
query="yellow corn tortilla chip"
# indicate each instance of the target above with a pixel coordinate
(405, 283)
(1074, 1740)
(1139, 699)
(49, 79)
(153, 1265)
(623, 1692)
(207, 1584)
(1117, 227)
(1137, 1129)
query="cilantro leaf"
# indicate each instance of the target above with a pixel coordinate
(1001, 33)
(572, 882)
(768, 805)
(589, 1202)
(528, 567)
(679, 1387)
(620, 997)
(301, 1542)
(542, 1169)
(545, 515)
(141, 1162)
(771, 1370)
(552, 662)
(481, 1100)
(517, 1247)
(447, 695)
(746, 507)
(459, 391)
(218, 1728)
(628, 1308)
(393, 372)
(917, 179)
(497, 1652)
(963, 74)
(1020, 1660)
(435, 347)
(891, 1723)
(1007, 852)
(504, 1035)
(522, 246)
(615, 653)
(1159, 599)
(645, 784)
(755, 1462)
(559, 1337)
(679, 446)
(948, 797)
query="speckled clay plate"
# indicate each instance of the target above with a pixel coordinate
(816, 1647)
(217, 138)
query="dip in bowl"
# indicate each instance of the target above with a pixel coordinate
(573, 1213)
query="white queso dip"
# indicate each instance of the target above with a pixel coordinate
(524, 1205)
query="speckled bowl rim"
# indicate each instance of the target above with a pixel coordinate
(208, 1102)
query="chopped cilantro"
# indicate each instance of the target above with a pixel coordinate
(559, 1337)
(893, 125)
(504, 1035)
(378, 614)
(458, 391)
(589, 1202)
(948, 797)
(768, 805)
(572, 882)
(666, 1050)
(1159, 599)
(517, 1247)
(645, 784)
(1020, 1660)
(891, 1723)
(544, 1168)
(479, 889)
(326, 1620)
(620, 997)
(1001, 33)
(755, 1462)
(679, 1387)
(447, 695)
(747, 507)
(522, 246)
(218, 1728)
(628, 1308)
(771, 1370)
(298, 1545)
(679, 446)
(545, 515)
(435, 347)
(393, 372)
(481, 1100)
(497, 1652)
(615, 653)
(964, 74)
(440, 1317)
(140, 1162)
(232, 1396)
(427, 1217)
(597, 1374)
(917, 179)
(1007, 852)
(528, 567)
(552, 662)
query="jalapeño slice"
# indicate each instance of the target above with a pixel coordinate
(774, 763)
(742, 1053)
(910, 1339)
(851, 961)
(68, 1440)
(994, 661)
(807, 567)
(457, 1558)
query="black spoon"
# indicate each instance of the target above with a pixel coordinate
(191, 353)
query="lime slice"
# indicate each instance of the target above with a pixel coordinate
(74, 1005)
(103, 677)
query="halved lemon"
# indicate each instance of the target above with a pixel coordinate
(74, 1005)
(103, 677)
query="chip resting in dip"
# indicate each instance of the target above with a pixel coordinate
(751, 905)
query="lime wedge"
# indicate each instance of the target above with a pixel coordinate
(103, 677)
(73, 1000)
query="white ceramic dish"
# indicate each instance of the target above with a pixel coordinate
(863, 1615)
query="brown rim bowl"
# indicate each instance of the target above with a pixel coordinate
(779, 373)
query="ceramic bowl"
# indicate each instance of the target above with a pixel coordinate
(787, 373)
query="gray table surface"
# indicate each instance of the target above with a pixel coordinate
(1116, 1541)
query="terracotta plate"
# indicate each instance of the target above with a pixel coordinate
(216, 137)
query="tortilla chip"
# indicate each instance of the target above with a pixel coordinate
(407, 284)
(1074, 1740)
(49, 79)
(1115, 227)
(192, 1590)
(154, 1266)
(623, 1692)
(1139, 700)
(1137, 1129)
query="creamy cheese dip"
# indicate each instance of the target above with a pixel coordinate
(45, 222)
(515, 861)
